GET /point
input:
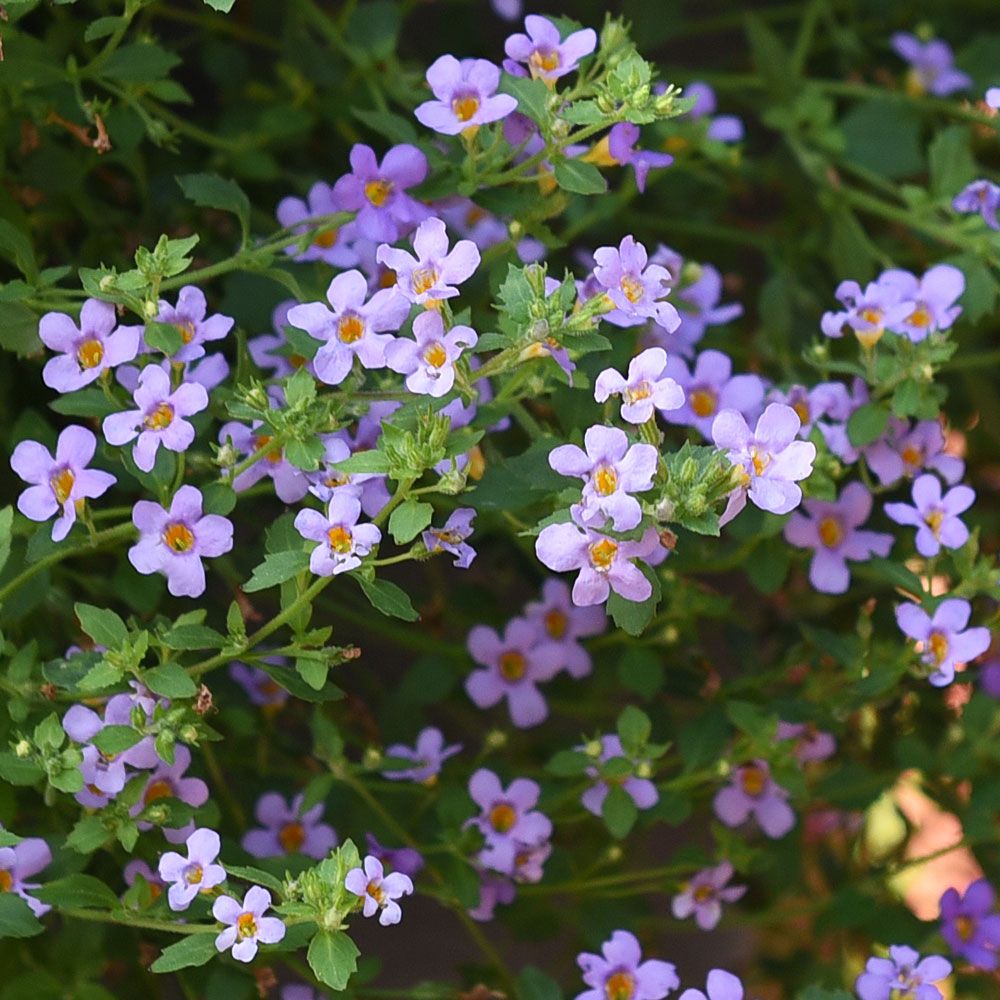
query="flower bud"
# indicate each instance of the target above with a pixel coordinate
(22, 748)
(496, 739)
(644, 769)
(593, 748)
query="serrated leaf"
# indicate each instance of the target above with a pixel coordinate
(532, 96)
(213, 191)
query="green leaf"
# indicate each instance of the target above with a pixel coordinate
(884, 136)
(276, 568)
(194, 637)
(19, 329)
(163, 337)
(641, 671)
(313, 672)
(78, 891)
(950, 160)
(408, 520)
(170, 680)
(16, 918)
(579, 177)
(84, 403)
(15, 247)
(195, 949)
(103, 27)
(19, 770)
(533, 96)
(113, 740)
(533, 984)
(88, 835)
(619, 812)
(866, 424)
(294, 684)
(365, 461)
(305, 455)
(568, 763)
(6, 533)
(256, 875)
(333, 957)
(102, 625)
(140, 62)
(634, 727)
(225, 6)
(395, 128)
(771, 59)
(388, 598)
(101, 675)
(213, 191)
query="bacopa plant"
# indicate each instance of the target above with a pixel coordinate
(420, 579)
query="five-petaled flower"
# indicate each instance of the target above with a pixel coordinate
(189, 318)
(507, 818)
(753, 792)
(619, 973)
(637, 288)
(288, 829)
(902, 976)
(465, 92)
(428, 756)
(971, 925)
(195, 873)
(247, 925)
(704, 894)
(378, 890)
(540, 49)
(943, 639)
(428, 362)
(646, 390)
(342, 541)
(935, 516)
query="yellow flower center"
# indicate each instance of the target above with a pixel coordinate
(632, 287)
(503, 817)
(830, 533)
(350, 328)
(703, 402)
(193, 874)
(6, 880)
(938, 643)
(605, 480)
(545, 62)
(871, 316)
(90, 353)
(375, 890)
(465, 107)
(933, 521)
(292, 836)
(378, 191)
(753, 780)
(920, 317)
(556, 623)
(703, 893)
(158, 790)
(633, 394)
(178, 537)
(620, 986)
(446, 537)
(262, 441)
(341, 540)
(435, 355)
(423, 279)
(760, 459)
(186, 330)
(602, 554)
(335, 479)
(966, 927)
(512, 665)
(61, 485)
(246, 925)
(325, 238)
(913, 456)
(159, 418)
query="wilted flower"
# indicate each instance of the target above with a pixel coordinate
(452, 537)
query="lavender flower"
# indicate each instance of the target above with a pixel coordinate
(170, 781)
(605, 564)
(429, 361)
(611, 471)
(619, 147)
(619, 973)
(330, 245)
(902, 451)
(512, 666)
(811, 744)
(270, 351)
(645, 390)
(710, 388)
(933, 297)
(260, 687)
(430, 276)
(353, 328)
(509, 10)
(290, 483)
(932, 66)
(721, 985)
(59, 485)
(902, 976)
(88, 350)
(368, 487)
(867, 312)
(560, 622)
(247, 925)
(377, 192)
(992, 98)
(641, 790)
(826, 399)
(831, 528)
(943, 641)
(407, 860)
(174, 542)
(637, 290)
(189, 317)
(159, 418)
(935, 516)
(541, 50)
(343, 542)
(428, 755)
(753, 792)
(721, 128)
(452, 537)
(18, 864)
(982, 197)
(286, 829)
(970, 924)
(507, 819)
(704, 895)
(194, 873)
(466, 96)
(378, 890)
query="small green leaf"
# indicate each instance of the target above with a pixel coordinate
(103, 626)
(19, 770)
(866, 424)
(408, 520)
(256, 875)
(163, 337)
(213, 191)
(195, 949)
(619, 812)
(113, 740)
(333, 957)
(568, 763)
(532, 96)
(224, 6)
(634, 727)
(580, 178)
(78, 891)
(388, 598)
(16, 918)
(533, 984)
(170, 680)
(194, 637)
(276, 568)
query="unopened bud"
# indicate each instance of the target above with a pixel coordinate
(150, 308)
(107, 282)
(593, 748)
(372, 758)
(22, 748)
(644, 770)
(496, 739)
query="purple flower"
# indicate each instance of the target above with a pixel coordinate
(194, 873)
(619, 973)
(902, 976)
(430, 276)
(159, 418)
(721, 128)
(982, 197)
(704, 895)
(970, 925)
(509, 10)
(429, 755)
(935, 516)
(260, 687)
(330, 245)
(645, 390)
(451, 538)
(835, 434)
(290, 483)
(621, 149)
(59, 485)
(637, 290)
(547, 56)
(831, 528)
(377, 192)
(943, 640)
(88, 350)
(753, 792)
(270, 351)
(771, 458)
(902, 451)
(811, 744)
(711, 387)
(605, 564)
(19, 863)
(137, 867)
(721, 985)
(368, 487)
(992, 98)
(507, 818)
(611, 471)
(407, 860)
(173, 542)
(353, 328)
(512, 666)
(932, 66)
(933, 297)
(247, 923)
(867, 312)
(466, 92)
(343, 542)
(288, 830)
(428, 362)
(378, 890)
(561, 623)
(826, 399)
(641, 790)
(494, 889)
(170, 781)
(188, 316)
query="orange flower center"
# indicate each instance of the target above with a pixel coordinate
(465, 107)
(703, 402)
(556, 624)
(966, 927)
(474, 215)
(920, 317)
(350, 328)
(292, 836)
(160, 417)
(934, 520)
(90, 353)
(801, 407)
(760, 459)
(178, 537)
(158, 790)
(246, 925)
(545, 62)
(193, 874)
(938, 643)
(753, 780)
(642, 391)
(6, 880)
(423, 279)
(632, 287)
(512, 665)
(435, 355)
(61, 485)
(830, 533)
(503, 817)
(446, 537)
(703, 893)
(375, 890)
(262, 441)
(335, 479)
(913, 456)
(325, 238)
(186, 330)
(871, 316)
(341, 540)
(602, 554)
(606, 480)
(378, 191)
(620, 986)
